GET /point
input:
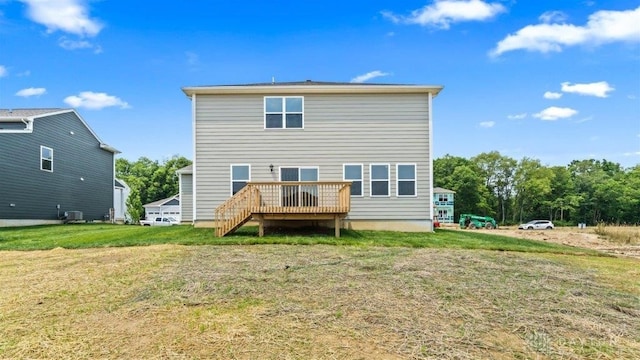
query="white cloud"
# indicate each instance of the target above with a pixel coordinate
(635, 153)
(553, 17)
(552, 95)
(31, 92)
(3, 71)
(442, 13)
(555, 113)
(601, 28)
(588, 118)
(368, 76)
(24, 73)
(598, 89)
(517, 116)
(70, 16)
(487, 124)
(74, 44)
(95, 101)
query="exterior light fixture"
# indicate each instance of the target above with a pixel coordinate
(271, 167)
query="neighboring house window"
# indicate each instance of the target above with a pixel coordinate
(46, 158)
(406, 180)
(240, 176)
(353, 173)
(379, 174)
(283, 112)
(443, 197)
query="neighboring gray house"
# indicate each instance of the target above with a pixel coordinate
(169, 207)
(52, 162)
(316, 136)
(185, 181)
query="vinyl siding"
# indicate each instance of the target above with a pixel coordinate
(186, 197)
(36, 193)
(338, 129)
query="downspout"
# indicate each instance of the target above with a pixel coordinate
(430, 107)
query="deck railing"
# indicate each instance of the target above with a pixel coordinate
(286, 197)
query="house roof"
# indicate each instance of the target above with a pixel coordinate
(31, 114)
(185, 170)
(163, 201)
(312, 87)
(439, 190)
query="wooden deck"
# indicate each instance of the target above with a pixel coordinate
(287, 200)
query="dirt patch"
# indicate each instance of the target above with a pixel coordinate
(585, 238)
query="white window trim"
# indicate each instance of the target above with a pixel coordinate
(371, 180)
(28, 128)
(415, 180)
(231, 176)
(299, 169)
(42, 158)
(284, 112)
(361, 177)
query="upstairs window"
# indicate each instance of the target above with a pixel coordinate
(240, 176)
(379, 179)
(283, 112)
(406, 179)
(353, 173)
(46, 158)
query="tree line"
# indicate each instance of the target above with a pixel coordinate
(149, 181)
(512, 191)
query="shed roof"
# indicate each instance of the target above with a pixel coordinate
(439, 190)
(185, 170)
(162, 201)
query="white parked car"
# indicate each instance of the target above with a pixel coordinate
(537, 225)
(165, 221)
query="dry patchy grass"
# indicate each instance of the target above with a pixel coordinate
(629, 235)
(320, 302)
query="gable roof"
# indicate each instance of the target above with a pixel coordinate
(162, 201)
(312, 87)
(32, 114)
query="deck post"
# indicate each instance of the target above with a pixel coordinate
(260, 219)
(337, 225)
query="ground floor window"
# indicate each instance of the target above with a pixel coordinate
(406, 180)
(379, 174)
(240, 176)
(353, 173)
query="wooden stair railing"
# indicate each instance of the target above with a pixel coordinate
(298, 198)
(235, 211)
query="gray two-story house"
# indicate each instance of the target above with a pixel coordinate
(51, 162)
(352, 155)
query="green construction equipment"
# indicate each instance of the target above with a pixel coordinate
(470, 221)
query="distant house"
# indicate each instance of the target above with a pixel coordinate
(169, 207)
(343, 154)
(443, 204)
(51, 162)
(121, 192)
(185, 180)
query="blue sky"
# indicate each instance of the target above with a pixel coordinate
(551, 80)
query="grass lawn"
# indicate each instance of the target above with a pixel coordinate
(79, 236)
(367, 295)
